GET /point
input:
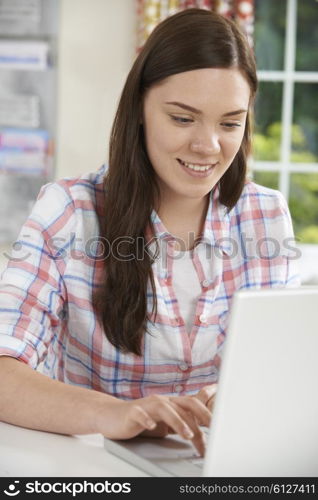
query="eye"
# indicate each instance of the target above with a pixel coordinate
(230, 125)
(181, 119)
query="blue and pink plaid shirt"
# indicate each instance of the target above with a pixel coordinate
(46, 290)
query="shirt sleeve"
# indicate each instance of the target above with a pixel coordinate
(32, 290)
(266, 229)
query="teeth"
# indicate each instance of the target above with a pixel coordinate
(197, 168)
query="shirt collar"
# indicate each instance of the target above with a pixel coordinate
(216, 228)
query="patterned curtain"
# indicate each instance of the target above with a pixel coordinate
(151, 12)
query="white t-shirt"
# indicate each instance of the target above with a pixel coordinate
(186, 285)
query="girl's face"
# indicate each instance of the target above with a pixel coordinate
(194, 124)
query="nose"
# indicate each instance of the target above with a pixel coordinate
(206, 143)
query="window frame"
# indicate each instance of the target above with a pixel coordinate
(288, 77)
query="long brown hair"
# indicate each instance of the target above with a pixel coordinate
(192, 39)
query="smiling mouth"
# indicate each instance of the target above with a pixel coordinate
(196, 167)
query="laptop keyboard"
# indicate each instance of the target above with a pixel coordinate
(197, 461)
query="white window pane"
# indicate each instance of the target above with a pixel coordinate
(269, 34)
(268, 111)
(303, 204)
(305, 123)
(307, 36)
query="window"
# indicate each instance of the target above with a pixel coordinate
(286, 111)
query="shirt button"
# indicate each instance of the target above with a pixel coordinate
(202, 318)
(206, 283)
(178, 388)
(183, 366)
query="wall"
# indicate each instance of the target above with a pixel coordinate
(96, 49)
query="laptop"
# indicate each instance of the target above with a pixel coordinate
(265, 417)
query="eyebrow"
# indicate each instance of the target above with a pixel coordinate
(197, 111)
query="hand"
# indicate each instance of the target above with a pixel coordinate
(207, 395)
(179, 414)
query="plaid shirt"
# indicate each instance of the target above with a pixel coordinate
(46, 309)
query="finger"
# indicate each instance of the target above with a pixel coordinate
(170, 415)
(139, 419)
(210, 403)
(199, 442)
(198, 439)
(206, 393)
(195, 407)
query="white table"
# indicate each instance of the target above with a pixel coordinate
(25, 452)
